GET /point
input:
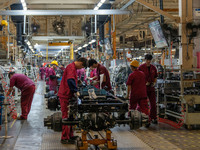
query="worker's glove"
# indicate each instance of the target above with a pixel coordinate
(153, 84)
(148, 84)
(77, 94)
(88, 78)
(95, 82)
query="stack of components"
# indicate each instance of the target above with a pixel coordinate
(119, 77)
(53, 102)
(177, 106)
(100, 113)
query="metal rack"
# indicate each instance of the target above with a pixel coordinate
(184, 102)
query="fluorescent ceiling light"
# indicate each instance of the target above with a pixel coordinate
(79, 48)
(96, 8)
(100, 4)
(28, 43)
(93, 41)
(24, 4)
(75, 50)
(25, 8)
(85, 45)
(22, 1)
(103, 1)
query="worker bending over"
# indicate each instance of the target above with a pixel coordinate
(101, 70)
(52, 77)
(137, 89)
(68, 88)
(150, 72)
(27, 88)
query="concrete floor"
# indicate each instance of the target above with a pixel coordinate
(32, 135)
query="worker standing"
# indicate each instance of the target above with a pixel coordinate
(47, 74)
(52, 77)
(42, 72)
(137, 89)
(27, 88)
(150, 72)
(68, 88)
(101, 70)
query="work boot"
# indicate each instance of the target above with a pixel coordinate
(154, 121)
(21, 118)
(74, 137)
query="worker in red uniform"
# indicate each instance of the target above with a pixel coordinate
(27, 88)
(47, 74)
(68, 88)
(42, 72)
(101, 70)
(52, 77)
(150, 72)
(137, 89)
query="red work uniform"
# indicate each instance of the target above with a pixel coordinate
(138, 91)
(150, 74)
(52, 82)
(102, 70)
(65, 95)
(42, 72)
(93, 73)
(47, 75)
(62, 68)
(27, 88)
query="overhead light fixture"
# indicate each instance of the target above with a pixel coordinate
(100, 4)
(92, 41)
(96, 8)
(85, 45)
(103, 1)
(25, 8)
(79, 48)
(28, 43)
(75, 50)
(24, 4)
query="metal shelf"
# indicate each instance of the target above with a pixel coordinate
(188, 80)
(172, 96)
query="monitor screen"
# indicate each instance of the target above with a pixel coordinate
(157, 34)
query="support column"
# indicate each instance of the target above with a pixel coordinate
(185, 50)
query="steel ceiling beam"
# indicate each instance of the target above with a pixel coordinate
(127, 4)
(62, 12)
(158, 10)
(8, 3)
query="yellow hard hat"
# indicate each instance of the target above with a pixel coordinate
(134, 63)
(54, 63)
(4, 23)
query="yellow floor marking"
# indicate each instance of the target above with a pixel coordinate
(14, 121)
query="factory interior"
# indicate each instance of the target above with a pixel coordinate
(100, 75)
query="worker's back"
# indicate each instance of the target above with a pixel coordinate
(138, 84)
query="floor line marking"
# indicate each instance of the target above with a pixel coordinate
(13, 122)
